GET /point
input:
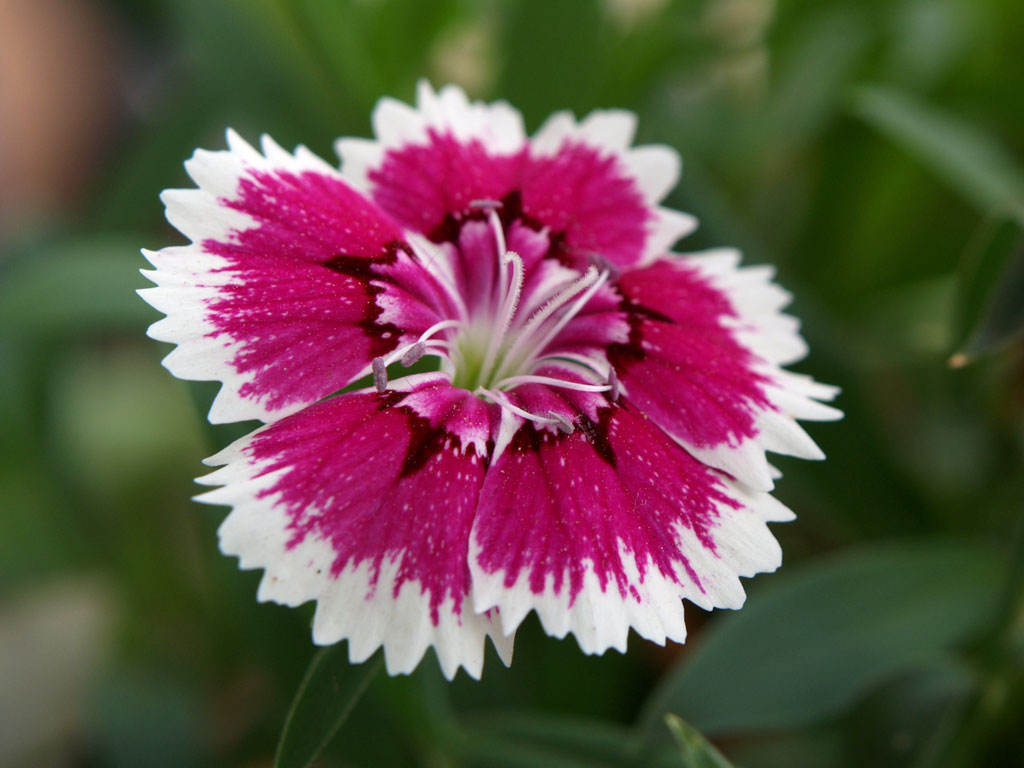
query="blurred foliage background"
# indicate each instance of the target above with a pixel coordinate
(870, 149)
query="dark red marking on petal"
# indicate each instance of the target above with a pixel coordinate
(597, 435)
(553, 506)
(424, 443)
(366, 270)
(584, 195)
(299, 303)
(342, 479)
(362, 268)
(682, 365)
(420, 185)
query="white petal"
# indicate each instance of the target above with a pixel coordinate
(611, 129)
(668, 227)
(656, 169)
(349, 605)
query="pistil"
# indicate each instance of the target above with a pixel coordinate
(495, 349)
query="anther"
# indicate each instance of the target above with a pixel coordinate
(603, 264)
(380, 374)
(563, 424)
(484, 204)
(413, 354)
(613, 382)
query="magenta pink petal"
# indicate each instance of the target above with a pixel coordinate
(294, 283)
(585, 198)
(422, 185)
(564, 418)
(683, 365)
(383, 488)
(585, 527)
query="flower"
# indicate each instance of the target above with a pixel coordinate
(591, 444)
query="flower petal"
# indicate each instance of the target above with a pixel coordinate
(582, 193)
(364, 503)
(584, 182)
(581, 182)
(435, 159)
(706, 342)
(609, 528)
(278, 296)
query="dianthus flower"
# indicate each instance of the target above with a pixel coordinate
(590, 440)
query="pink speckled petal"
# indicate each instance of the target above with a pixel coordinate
(429, 162)
(364, 503)
(582, 183)
(702, 362)
(585, 182)
(281, 293)
(422, 184)
(585, 196)
(609, 528)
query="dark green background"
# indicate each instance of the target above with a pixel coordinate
(867, 148)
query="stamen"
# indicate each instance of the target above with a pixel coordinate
(515, 284)
(590, 365)
(574, 310)
(603, 264)
(499, 231)
(524, 335)
(507, 311)
(413, 354)
(551, 381)
(504, 402)
(435, 265)
(563, 424)
(380, 374)
(486, 204)
(403, 352)
(613, 383)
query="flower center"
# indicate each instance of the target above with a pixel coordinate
(501, 340)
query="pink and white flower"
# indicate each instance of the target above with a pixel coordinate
(591, 444)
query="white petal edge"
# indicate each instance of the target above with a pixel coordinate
(187, 278)
(348, 607)
(667, 227)
(774, 338)
(654, 168)
(600, 619)
(497, 126)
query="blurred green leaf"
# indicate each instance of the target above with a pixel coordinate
(543, 72)
(367, 50)
(524, 740)
(912, 319)
(329, 691)
(142, 717)
(119, 421)
(661, 39)
(695, 749)
(813, 640)
(249, 71)
(972, 162)
(520, 739)
(898, 720)
(990, 309)
(82, 284)
(818, 747)
(821, 59)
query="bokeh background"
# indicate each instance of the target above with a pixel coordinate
(871, 150)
